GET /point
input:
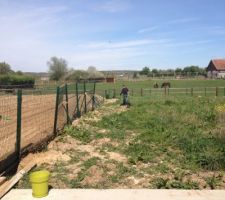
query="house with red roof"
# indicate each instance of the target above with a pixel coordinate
(216, 68)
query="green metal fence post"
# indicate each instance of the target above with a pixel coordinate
(93, 97)
(56, 110)
(77, 101)
(205, 91)
(217, 91)
(224, 91)
(85, 99)
(114, 93)
(67, 104)
(141, 92)
(192, 92)
(18, 128)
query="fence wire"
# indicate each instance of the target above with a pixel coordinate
(38, 110)
(8, 125)
(43, 113)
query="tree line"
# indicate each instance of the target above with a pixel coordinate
(9, 77)
(58, 70)
(186, 71)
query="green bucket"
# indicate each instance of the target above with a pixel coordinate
(39, 182)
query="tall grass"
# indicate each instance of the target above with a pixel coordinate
(181, 129)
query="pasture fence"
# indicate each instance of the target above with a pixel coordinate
(196, 91)
(29, 119)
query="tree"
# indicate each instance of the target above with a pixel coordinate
(94, 73)
(178, 70)
(194, 70)
(77, 75)
(145, 71)
(135, 75)
(155, 72)
(57, 68)
(19, 72)
(5, 68)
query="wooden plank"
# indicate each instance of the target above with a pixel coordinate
(2, 179)
(9, 184)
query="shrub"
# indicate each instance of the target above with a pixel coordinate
(15, 79)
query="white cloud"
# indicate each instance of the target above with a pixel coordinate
(120, 45)
(189, 43)
(149, 29)
(113, 6)
(25, 34)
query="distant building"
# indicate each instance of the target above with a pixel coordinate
(45, 77)
(216, 68)
(110, 79)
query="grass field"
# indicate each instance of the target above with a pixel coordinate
(137, 85)
(157, 143)
(186, 83)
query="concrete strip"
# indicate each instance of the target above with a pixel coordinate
(119, 194)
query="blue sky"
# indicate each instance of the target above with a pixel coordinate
(111, 34)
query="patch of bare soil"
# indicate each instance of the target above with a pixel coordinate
(49, 157)
(117, 156)
(110, 101)
(91, 150)
(95, 176)
(103, 131)
(67, 144)
(100, 142)
(73, 170)
(135, 182)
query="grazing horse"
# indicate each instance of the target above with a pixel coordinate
(156, 85)
(165, 85)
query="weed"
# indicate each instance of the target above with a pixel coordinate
(139, 152)
(159, 183)
(90, 162)
(82, 135)
(212, 181)
(76, 183)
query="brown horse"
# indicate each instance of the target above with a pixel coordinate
(156, 85)
(165, 85)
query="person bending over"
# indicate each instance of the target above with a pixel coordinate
(124, 92)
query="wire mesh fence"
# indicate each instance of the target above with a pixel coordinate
(29, 118)
(8, 125)
(38, 109)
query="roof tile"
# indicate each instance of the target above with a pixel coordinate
(219, 64)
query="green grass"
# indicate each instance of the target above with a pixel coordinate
(167, 142)
(164, 126)
(82, 135)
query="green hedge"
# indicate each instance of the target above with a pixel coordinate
(15, 79)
